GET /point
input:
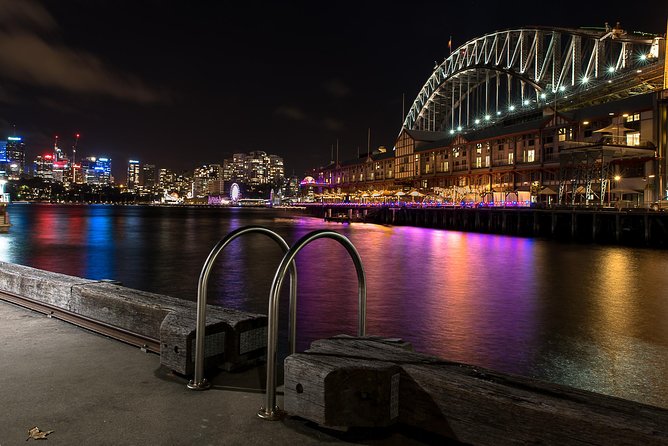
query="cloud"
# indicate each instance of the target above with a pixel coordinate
(332, 124)
(296, 114)
(27, 57)
(290, 112)
(25, 13)
(337, 88)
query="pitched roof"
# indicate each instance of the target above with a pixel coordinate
(425, 136)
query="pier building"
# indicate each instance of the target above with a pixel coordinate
(531, 115)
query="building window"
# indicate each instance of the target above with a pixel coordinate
(531, 155)
(487, 161)
(478, 161)
(632, 118)
(511, 158)
(633, 139)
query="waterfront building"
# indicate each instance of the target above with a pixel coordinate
(134, 175)
(586, 133)
(208, 181)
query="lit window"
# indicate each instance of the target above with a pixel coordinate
(633, 139)
(531, 154)
(487, 161)
(511, 158)
(478, 161)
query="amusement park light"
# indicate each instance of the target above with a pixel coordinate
(585, 122)
(562, 88)
(498, 113)
(477, 121)
(452, 131)
(526, 102)
(459, 128)
(487, 117)
(617, 178)
(643, 57)
(543, 95)
(511, 108)
(585, 80)
(611, 69)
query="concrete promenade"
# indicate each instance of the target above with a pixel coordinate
(90, 389)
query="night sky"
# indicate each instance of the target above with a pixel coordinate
(179, 84)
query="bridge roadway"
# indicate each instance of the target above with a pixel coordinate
(89, 389)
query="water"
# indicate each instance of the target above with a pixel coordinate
(588, 316)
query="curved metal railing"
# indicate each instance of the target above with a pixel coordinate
(199, 382)
(271, 411)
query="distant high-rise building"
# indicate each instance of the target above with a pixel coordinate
(276, 168)
(208, 180)
(12, 157)
(166, 180)
(254, 168)
(96, 171)
(147, 179)
(134, 174)
(43, 167)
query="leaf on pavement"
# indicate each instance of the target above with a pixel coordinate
(37, 434)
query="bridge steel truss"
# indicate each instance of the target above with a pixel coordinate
(519, 70)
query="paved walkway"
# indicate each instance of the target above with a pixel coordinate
(93, 390)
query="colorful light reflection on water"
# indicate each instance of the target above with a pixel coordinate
(588, 316)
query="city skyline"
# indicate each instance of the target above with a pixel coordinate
(156, 81)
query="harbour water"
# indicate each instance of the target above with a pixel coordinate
(588, 316)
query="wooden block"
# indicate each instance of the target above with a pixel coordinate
(470, 404)
(338, 392)
(235, 339)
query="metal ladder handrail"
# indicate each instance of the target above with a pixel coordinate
(199, 382)
(271, 411)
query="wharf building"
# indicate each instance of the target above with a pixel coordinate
(576, 117)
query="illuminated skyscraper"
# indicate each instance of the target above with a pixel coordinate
(43, 167)
(12, 157)
(134, 174)
(96, 171)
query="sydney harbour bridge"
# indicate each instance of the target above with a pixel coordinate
(583, 111)
(514, 71)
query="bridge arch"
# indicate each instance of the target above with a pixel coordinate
(520, 70)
